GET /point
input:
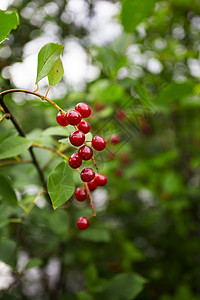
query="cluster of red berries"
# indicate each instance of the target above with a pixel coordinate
(77, 138)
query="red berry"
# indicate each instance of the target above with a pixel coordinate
(85, 152)
(73, 117)
(82, 223)
(115, 139)
(84, 109)
(61, 119)
(121, 114)
(125, 158)
(75, 161)
(92, 185)
(87, 175)
(100, 179)
(84, 126)
(119, 172)
(80, 194)
(98, 143)
(98, 106)
(111, 155)
(77, 138)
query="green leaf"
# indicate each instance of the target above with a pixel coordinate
(60, 184)
(33, 262)
(7, 192)
(8, 21)
(13, 145)
(174, 91)
(56, 73)
(8, 252)
(46, 59)
(134, 12)
(56, 130)
(124, 286)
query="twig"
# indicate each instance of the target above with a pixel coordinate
(52, 150)
(7, 116)
(14, 162)
(32, 93)
(21, 132)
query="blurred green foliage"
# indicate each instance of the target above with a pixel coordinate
(144, 243)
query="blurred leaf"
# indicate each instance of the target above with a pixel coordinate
(131, 252)
(56, 130)
(46, 59)
(107, 56)
(7, 251)
(114, 92)
(7, 192)
(56, 73)
(13, 146)
(134, 12)
(124, 286)
(174, 91)
(172, 182)
(8, 21)
(95, 235)
(61, 219)
(33, 262)
(93, 283)
(60, 184)
(84, 296)
(64, 141)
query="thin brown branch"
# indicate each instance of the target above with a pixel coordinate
(32, 93)
(52, 150)
(21, 132)
(14, 162)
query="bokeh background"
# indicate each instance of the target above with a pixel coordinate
(137, 64)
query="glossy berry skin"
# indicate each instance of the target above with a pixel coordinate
(98, 143)
(80, 194)
(92, 185)
(61, 119)
(73, 117)
(115, 139)
(82, 223)
(100, 179)
(75, 161)
(84, 126)
(85, 152)
(84, 109)
(87, 175)
(77, 138)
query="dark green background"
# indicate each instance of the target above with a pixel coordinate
(146, 237)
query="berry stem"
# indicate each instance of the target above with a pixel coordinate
(32, 93)
(94, 163)
(5, 116)
(51, 149)
(90, 198)
(47, 92)
(37, 88)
